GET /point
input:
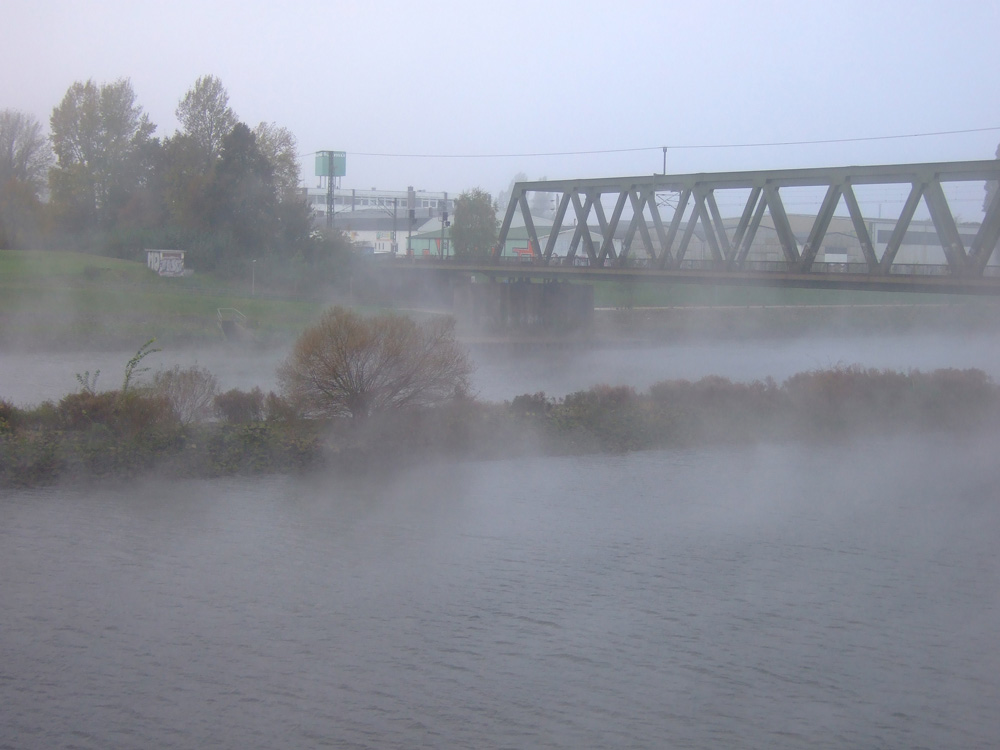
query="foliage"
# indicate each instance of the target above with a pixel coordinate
(531, 405)
(474, 230)
(88, 382)
(278, 409)
(223, 192)
(11, 418)
(24, 160)
(206, 117)
(24, 150)
(132, 368)
(102, 142)
(279, 147)
(191, 392)
(90, 434)
(349, 365)
(240, 407)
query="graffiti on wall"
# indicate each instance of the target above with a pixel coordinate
(171, 265)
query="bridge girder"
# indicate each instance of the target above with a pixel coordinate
(696, 194)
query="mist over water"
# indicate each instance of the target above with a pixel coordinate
(823, 595)
(833, 596)
(27, 378)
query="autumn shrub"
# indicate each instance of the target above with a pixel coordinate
(531, 405)
(351, 365)
(253, 448)
(142, 413)
(78, 411)
(716, 408)
(45, 416)
(240, 407)
(609, 417)
(847, 398)
(952, 397)
(137, 412)
(11, 418)
(190, 391)
(279, 409)
(30, 459)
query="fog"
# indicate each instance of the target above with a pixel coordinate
(502, 371)
(603, 89)
(843, 596)
(821, 595)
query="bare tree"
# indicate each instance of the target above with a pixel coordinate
(541, 203)
(190, 391)
(503, 197)
(350, 365)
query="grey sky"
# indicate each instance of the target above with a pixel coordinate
(518, 77)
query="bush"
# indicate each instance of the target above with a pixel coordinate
(191, 392)
(531, 405)
(135, 413)
(240, 407)
(11, 418)
(78, 411)
(279, 409)
(351, 365)
(141, 413)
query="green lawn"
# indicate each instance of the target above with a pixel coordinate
(67, 299)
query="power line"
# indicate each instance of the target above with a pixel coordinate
(704, 146)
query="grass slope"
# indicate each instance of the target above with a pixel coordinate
(65, 299)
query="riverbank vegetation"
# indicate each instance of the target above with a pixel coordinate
(180, 425)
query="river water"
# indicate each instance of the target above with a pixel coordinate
(28, 378)
(842, 595)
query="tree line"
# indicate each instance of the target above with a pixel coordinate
(100, 180)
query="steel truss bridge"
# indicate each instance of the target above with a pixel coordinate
(665, 241)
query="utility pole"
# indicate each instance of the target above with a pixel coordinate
(444, 222)
(329, 190)
(664, 160)
(411, 208)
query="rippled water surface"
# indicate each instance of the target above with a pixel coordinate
(835, 596)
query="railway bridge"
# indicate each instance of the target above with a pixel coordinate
(670, 228)
(658, 246)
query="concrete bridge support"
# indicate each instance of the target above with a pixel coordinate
(524, 305)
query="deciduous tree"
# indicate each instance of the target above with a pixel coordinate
(101, 138)
(241, 200)
(350, 365)
(24, 160)
(25, 155)
(205, 116)
(278, 144)
(474, 230)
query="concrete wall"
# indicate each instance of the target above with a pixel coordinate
(524, 305)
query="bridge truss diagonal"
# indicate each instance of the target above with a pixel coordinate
(637, 235)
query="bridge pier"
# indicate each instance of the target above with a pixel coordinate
(523, 305)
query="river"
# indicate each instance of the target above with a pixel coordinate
(828, 595)
(28, 378)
